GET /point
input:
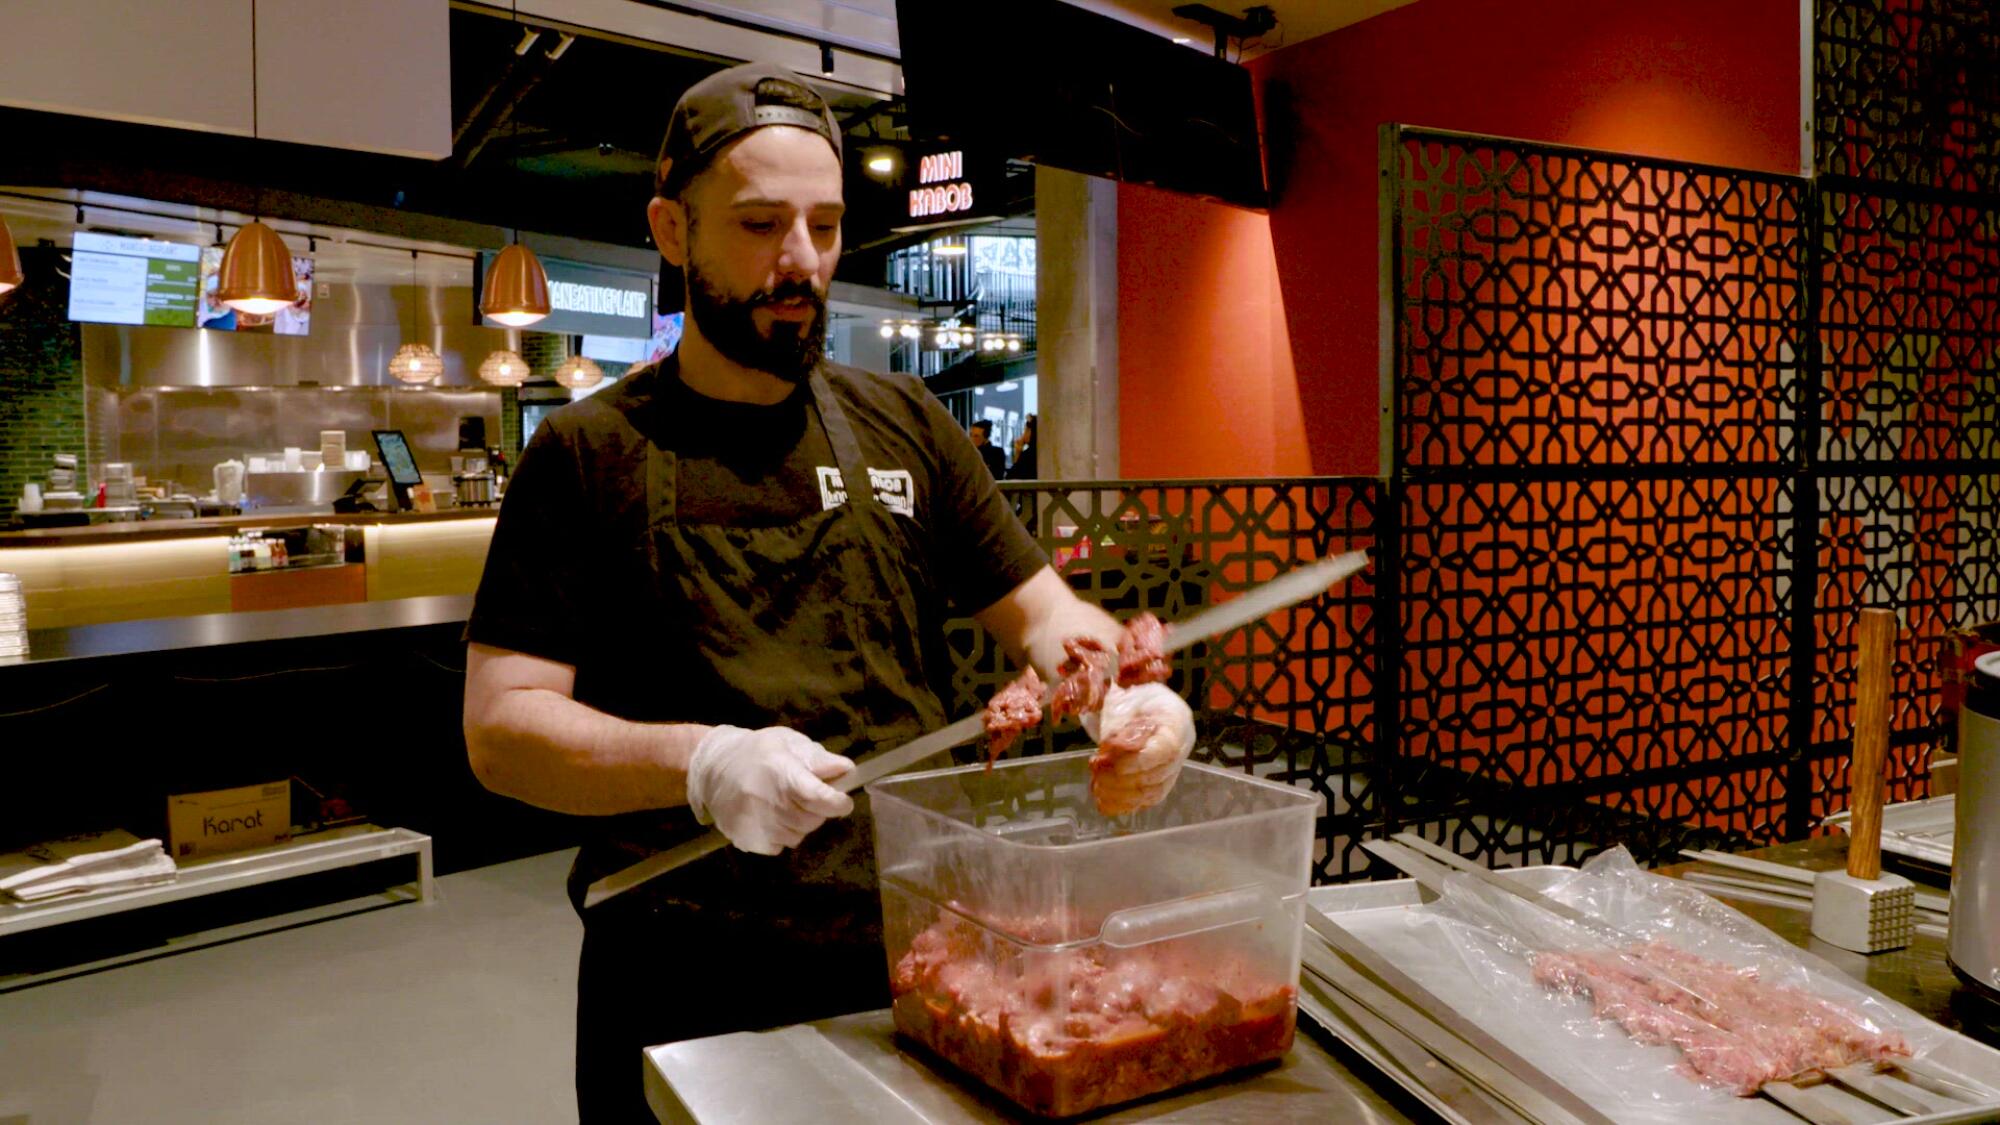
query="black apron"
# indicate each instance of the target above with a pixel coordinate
(815, 625)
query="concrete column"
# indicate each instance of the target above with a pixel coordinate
(1076, 310)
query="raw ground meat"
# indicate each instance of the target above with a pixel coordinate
(1069, 1031)
(1086, 676)
(1142, 657)
(1733, 1030)
(1012, 710)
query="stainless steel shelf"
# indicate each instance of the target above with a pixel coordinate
(306, 855)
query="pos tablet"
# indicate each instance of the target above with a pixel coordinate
(400, 464)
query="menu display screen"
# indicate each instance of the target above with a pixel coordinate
(294, 319)
(120, 280)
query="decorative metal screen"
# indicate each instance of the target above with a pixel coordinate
(1905, 92)
(1598, 388)
(1661, 429)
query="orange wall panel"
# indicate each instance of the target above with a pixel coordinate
(1248, 343)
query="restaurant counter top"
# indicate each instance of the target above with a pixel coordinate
(170, 634)
(856, 1068)
(140, 531)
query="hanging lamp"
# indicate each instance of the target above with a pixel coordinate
(516, 288)
(579, 372)
(504, 368)
(10, 260)
(256, 272)
(415, 363)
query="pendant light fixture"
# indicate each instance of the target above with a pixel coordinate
(579, 372)
(10, 260)
(516, 289)
(256, 272)
(415, 363)
(504, 368)
(516, 292)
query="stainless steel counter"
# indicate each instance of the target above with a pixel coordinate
(167, 634)
(854, 1069)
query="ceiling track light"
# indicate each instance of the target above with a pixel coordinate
(825, 60)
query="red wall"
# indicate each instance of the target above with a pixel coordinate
(1247, 345)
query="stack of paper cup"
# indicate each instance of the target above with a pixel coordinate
(13, 618)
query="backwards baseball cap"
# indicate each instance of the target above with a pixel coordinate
(730, 103)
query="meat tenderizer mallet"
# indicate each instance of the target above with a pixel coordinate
(1863, 909)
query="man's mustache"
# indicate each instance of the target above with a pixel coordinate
(787, 291)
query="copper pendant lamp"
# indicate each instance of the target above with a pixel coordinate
(10, 260)
(255, 276)
(516, 291)
(256, 272)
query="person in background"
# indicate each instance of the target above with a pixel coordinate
(982, 440)
(1024, 452)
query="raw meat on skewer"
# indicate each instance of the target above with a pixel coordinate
(1733, 1030)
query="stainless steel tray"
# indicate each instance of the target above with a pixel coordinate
(1919, 830)
(1380, 913)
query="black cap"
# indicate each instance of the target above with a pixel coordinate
(730, 103)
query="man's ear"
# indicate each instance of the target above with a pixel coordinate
(668, 218)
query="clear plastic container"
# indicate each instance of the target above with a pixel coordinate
(1072, 961)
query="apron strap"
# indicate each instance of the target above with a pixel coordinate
(846, 450)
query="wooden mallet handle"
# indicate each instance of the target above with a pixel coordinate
(1874, 659)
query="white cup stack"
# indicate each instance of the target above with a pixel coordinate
(13, 619)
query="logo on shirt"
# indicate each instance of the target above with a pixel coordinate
(895, 489)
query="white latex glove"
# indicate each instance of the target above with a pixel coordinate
(1143, 734)
(764, 789)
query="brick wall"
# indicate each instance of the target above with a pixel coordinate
(41, 380)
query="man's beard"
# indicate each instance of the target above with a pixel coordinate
(790, 351)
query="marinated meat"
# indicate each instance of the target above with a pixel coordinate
(1142, 657)
(1012, 710)
(1072, 1030)
(1086, 676)
(1733, 1030)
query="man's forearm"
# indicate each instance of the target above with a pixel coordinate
(550, 751)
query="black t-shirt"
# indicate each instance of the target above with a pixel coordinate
(996, 461)
(567, 567)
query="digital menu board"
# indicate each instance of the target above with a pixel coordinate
(294, 319)
(120, 280)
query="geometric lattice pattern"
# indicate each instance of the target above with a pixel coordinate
(1905, 92)
(1909, 330)
(1928, 545)
(1638, 601)
(1618, 641)
(1567, 308)
(1293, 698)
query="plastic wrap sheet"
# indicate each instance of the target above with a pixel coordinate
(1689, 1007)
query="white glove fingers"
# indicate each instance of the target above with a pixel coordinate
(810, 795)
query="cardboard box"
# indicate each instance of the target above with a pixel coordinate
(229, 820)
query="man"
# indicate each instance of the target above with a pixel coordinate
(715, 583)
(983, 433)
(996, 461)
